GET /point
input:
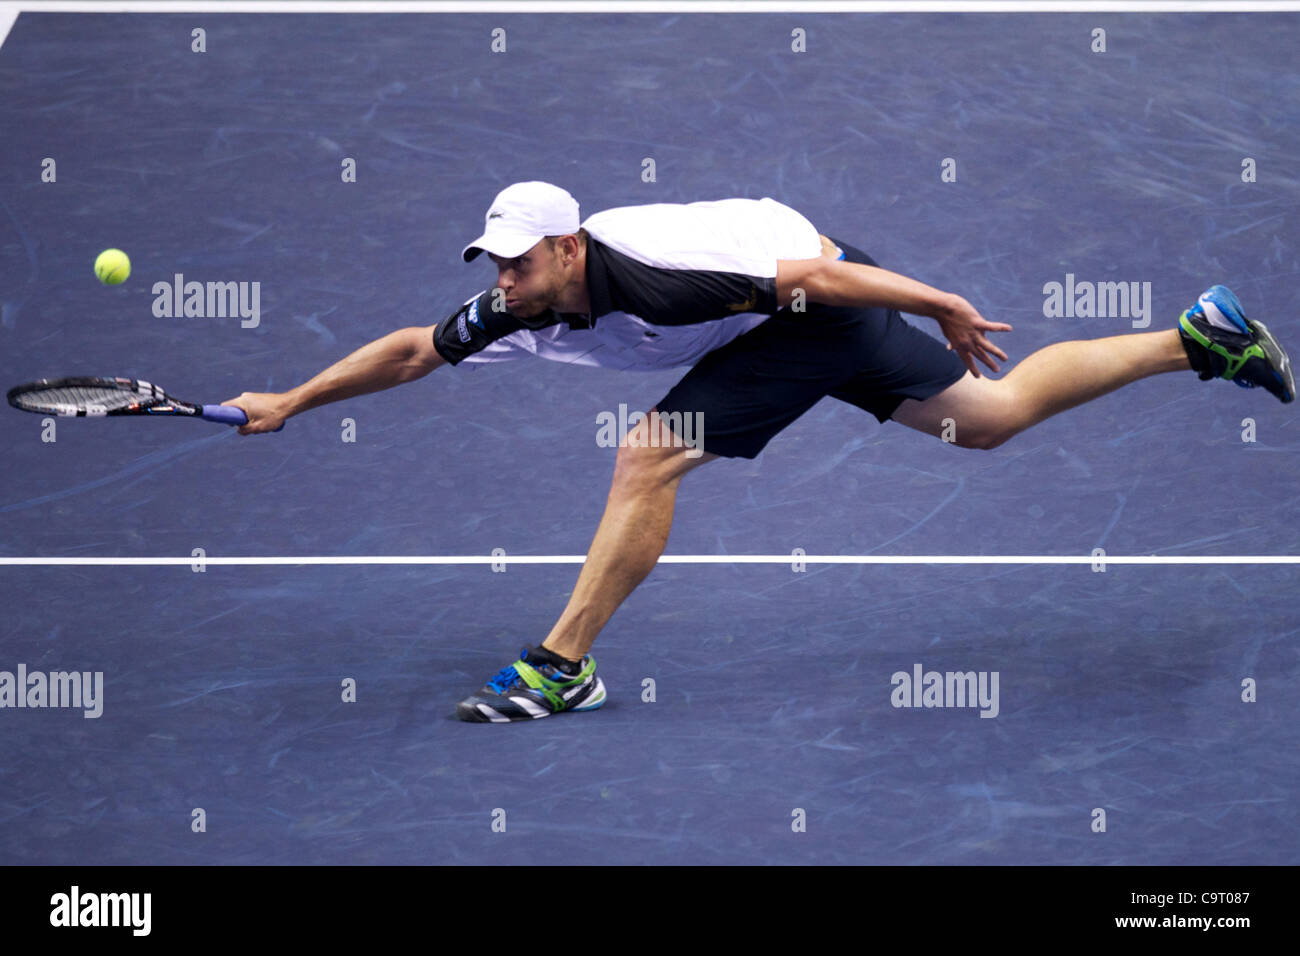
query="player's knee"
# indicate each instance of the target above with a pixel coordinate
(640, 458)
(997, 421)
(988, 440)
(641, 467)
(652, 455)
(978, 434)
(984, 436)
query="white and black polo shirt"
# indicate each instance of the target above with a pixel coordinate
(668, 284)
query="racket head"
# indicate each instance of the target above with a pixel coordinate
(86, 397)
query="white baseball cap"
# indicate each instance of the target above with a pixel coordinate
(523, 215)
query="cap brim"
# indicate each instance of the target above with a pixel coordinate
(507, 246)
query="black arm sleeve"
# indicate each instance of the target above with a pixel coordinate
(472, 328)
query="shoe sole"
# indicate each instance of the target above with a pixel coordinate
(595, 701)
(1263, 347)
(1277, 359)
(477, 712)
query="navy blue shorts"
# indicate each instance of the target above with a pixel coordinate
(761, 381)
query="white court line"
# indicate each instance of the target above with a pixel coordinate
(417, 559)
(656, 6)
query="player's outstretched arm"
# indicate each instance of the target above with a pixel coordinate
(397, 358)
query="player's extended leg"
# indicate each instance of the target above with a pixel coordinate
(632, 534)
(984, 412)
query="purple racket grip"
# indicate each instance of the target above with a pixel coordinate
(226, 415)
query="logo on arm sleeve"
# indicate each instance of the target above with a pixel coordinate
(476, 325)
(468, 318)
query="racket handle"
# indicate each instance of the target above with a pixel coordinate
(226, 415)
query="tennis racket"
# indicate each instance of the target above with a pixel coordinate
(94, 397)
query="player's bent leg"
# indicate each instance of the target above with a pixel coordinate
(1214, 338)
(559, 675)
(984, 413)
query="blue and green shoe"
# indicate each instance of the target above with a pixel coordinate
(1222, 343)
(539, 684)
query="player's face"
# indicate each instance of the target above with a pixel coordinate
(531, 282)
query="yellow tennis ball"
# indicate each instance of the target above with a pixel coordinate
(112, 267)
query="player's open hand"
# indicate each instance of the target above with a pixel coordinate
(264, 410)
(965, 329)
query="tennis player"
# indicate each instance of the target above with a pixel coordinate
(771, 317)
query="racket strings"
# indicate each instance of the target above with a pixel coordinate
(82, 396)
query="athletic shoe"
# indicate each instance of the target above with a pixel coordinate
(537, 685)
(1222, 343)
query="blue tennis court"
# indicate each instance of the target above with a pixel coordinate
(773, 734)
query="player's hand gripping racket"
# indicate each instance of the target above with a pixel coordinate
(93, 397)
